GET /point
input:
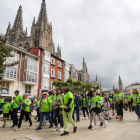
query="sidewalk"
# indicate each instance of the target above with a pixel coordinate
(129, 129)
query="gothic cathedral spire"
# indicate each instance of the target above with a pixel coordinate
(120, 84)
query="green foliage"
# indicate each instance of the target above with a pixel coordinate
(5, 52)
(97, 87)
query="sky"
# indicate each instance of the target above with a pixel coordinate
(105, 32)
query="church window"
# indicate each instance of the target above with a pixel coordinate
(79, 77)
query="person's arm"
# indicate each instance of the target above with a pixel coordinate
(69, 102)
(50, 105)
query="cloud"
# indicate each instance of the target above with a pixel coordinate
(106, 33)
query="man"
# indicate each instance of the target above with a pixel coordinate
(16, 106)
(1, 101)
(76, 105)
(129, 102)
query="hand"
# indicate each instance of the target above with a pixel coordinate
(74, 105)
(60, 112)
(65, 107)
(21, 101)
(11, 110)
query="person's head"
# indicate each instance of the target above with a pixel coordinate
(94, 93)
(100, 94)
(92, 89)
(84, 95)
(106, 99)
(45, 94)
(25, 96)
(74, 93)
(89, 97)
(5, 101)
(50, 93)
(16, 92)
(65, 89)
(117, 91)
(135, 91)
(38, 98)
(103, 94)
(58, 91)
(10, 100)
(53, 92)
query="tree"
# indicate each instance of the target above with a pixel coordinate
(5, 51)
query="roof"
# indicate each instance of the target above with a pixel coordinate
(133, 84)
(57, 57)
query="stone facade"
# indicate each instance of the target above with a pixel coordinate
(40, 36)
(79, 75)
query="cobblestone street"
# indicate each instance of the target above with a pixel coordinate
(126, 130)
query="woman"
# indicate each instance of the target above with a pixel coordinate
(135, 98)
(25, 103)
(67, 110)
(96, 107)
(46, 108)
(57, 109)
(85, 105)
(118, 97)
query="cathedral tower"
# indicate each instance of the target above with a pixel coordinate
(120, 84)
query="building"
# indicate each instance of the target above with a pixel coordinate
(23, 76)
(129, 89)
(120, 84)
(79, 75)
(40, 36)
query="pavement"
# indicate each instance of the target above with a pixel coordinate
(129, 129)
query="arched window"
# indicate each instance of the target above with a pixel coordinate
(79, 77)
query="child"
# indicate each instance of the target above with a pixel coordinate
(106, 112)
(6, 107)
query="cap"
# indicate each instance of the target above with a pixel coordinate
(17, 91)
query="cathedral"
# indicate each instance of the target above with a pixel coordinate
(79, 75)
(40, 36)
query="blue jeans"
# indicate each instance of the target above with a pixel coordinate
(15, 118)
(44, 114)
(77, 113)
(137, 110)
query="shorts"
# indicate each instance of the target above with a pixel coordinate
(5, 115)
(112, 106)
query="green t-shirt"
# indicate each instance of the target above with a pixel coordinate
(136, 98)
(118, 97)
(89, 101)
(126, 102)
(11, 103)
(1, 101)
(110, 101)
(27, 108)
(57, 98)
(16, 101)
(38, 102)
(128, 98)
(6, 108)
(66, 98)
(45, 106)
(53, 97)
(94, 100)
(84, 105)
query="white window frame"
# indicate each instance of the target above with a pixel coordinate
(59, 64)
(28, 91)
(52, 61)
(53, 76)
(59, 75)
(52, 87)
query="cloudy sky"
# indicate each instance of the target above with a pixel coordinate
(105, 32)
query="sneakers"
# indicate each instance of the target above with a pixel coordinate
(55, 129)
(117, 117)
(65, 133)
(105, 125)
(39, 128)
(30, 126)
(17, 129)
(90, 126)
(13, 126)
(4, 125)
(101, 124)
(75, 129)
(51, 126)
(60, 129)
(95, 127)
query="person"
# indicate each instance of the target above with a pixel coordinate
(135, 98)
(25, 106)
(114, 95)
(67, 110)
(10, 113)
(119, 103)
(126, 102)
(16, 106)
(90, 93)
(6, 107)
(85, 105)
(76, 106)
(38, 109)
(129, 102)
(57, 110)
(46, 108)
(96, 107)
(1, 101)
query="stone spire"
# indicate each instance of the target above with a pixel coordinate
(33, 21)
(120, 84)
(83, 60)
(96, 78)
(9, 27)
(43, 13)
(113, 88)
(18, 23)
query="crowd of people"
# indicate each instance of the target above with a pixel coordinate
(60, 105)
